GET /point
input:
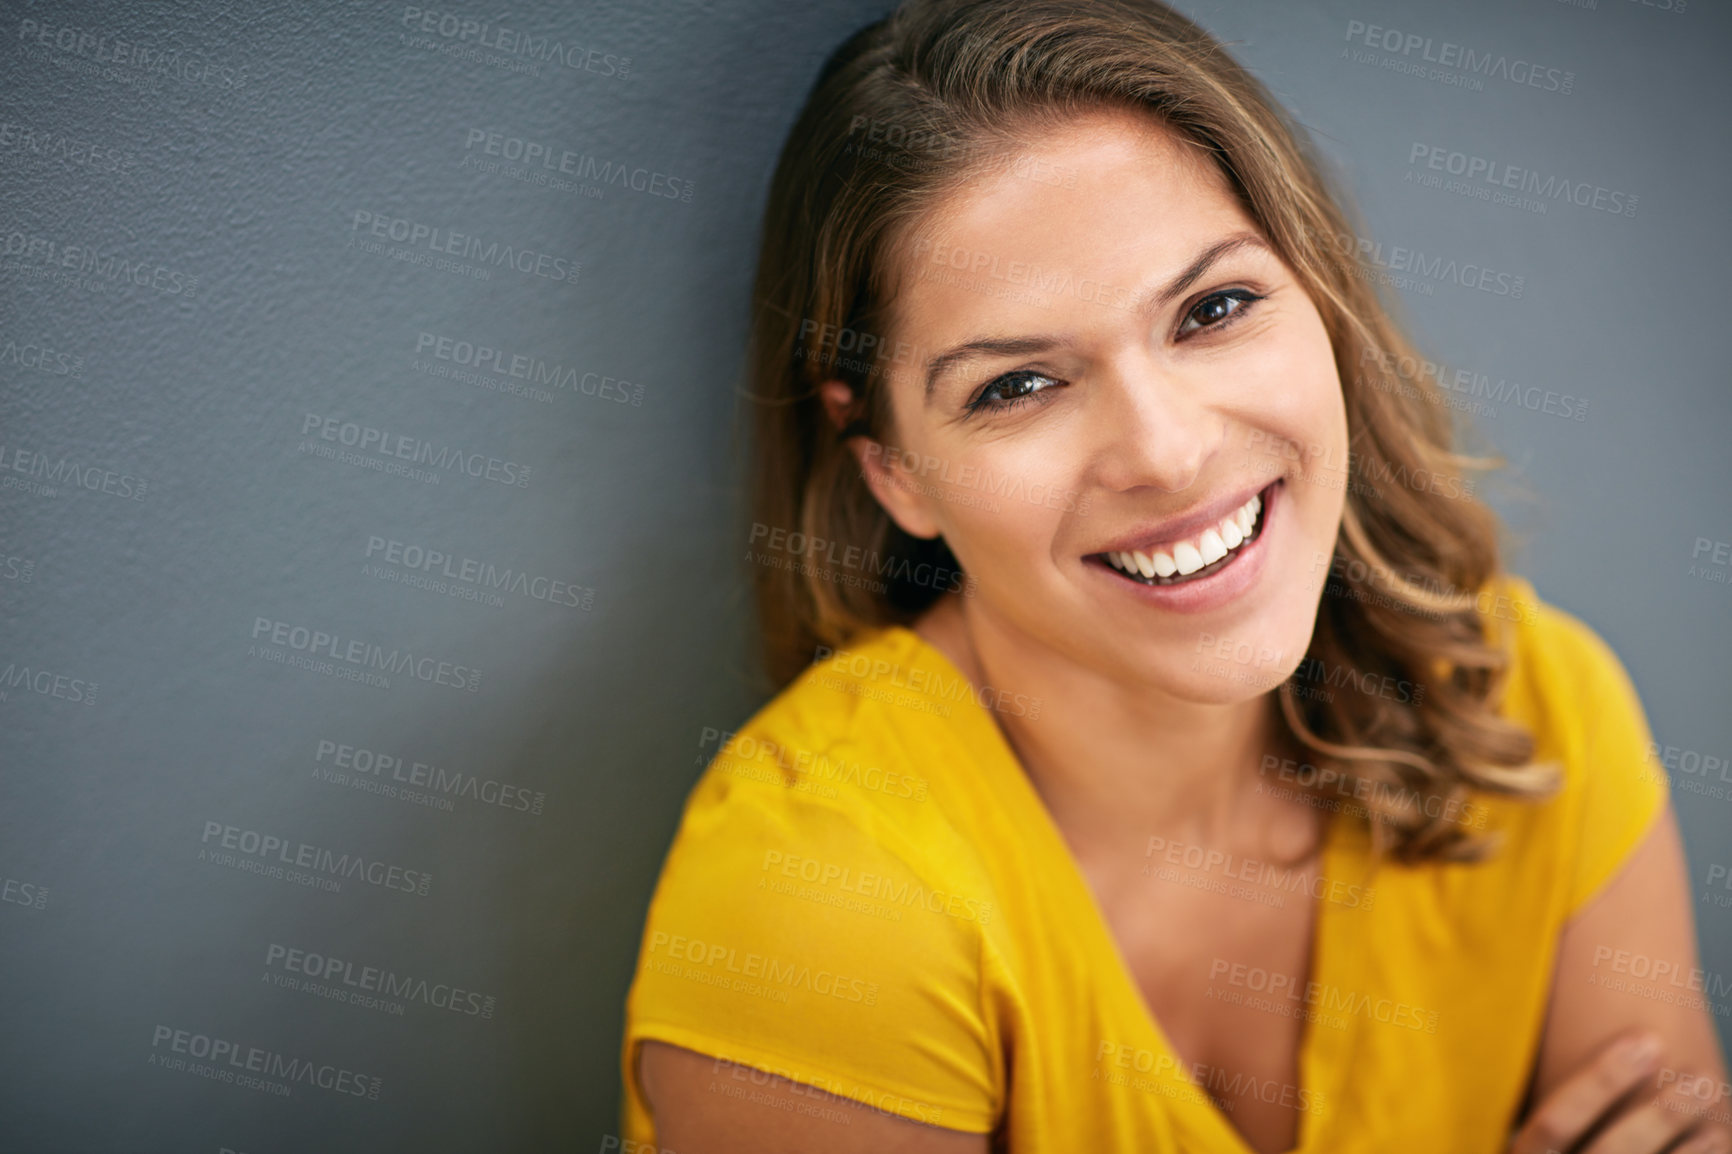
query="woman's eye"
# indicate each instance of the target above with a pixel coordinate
(1218, 309)
(1011, 390)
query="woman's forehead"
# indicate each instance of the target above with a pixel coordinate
(1017, 247)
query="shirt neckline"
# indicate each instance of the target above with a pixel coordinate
(1337, 945)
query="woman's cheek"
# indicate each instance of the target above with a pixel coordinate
(1001, 511)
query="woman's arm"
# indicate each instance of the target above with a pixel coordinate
(1627, 963)
(705, 1105)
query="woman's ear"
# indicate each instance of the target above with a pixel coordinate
(906, 505)
(838, 401)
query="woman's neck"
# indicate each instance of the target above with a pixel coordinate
(1118, 767)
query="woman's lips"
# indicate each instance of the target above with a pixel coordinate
(1216, 586)
(1198, 556)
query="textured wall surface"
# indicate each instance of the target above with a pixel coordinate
(369, 526)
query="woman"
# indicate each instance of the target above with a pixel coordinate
(1151, 772)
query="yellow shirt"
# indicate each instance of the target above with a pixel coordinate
(866, 895)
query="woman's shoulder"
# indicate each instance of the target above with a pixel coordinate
(836, 734)
(814, 893)
(1569, 688)
(869, 730)
(1564, 679)
(838, 698)
(835, 787)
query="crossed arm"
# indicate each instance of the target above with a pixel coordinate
(1636, 939)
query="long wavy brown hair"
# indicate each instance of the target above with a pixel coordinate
(940, 92)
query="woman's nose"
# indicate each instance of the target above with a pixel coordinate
(1152, 427)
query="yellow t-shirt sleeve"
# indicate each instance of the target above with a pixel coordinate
(783, 936)
(1621, 789)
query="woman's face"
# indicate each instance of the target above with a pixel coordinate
(1146, 369)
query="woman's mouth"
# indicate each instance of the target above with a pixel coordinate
(1200, 555)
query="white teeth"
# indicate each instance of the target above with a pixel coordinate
(1211, 547)
(1187, 557)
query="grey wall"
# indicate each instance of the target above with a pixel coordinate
(191, 303)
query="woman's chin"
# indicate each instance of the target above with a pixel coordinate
(1220, 669)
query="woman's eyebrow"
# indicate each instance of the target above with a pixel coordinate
(1160, 298)
(986, 346)
(1150, 304)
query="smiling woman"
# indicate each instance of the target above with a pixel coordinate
(1225, 795)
